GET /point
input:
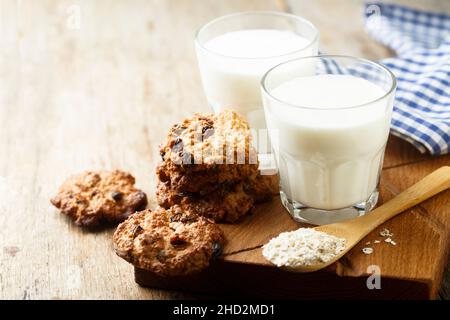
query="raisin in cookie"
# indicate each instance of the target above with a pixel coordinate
(92, 198)
(226, 204)
(168, 242)
(207, 149)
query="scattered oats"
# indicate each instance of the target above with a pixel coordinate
(303, 247)
(389, 240)
(377, 241)
(367, 250)
(386, 233)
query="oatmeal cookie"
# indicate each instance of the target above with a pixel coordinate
(207, 149)
(263, 187)
(168, 242)
(203, 181)
(92, 198)
(228, 203)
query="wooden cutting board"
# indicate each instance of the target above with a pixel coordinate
(411, 269)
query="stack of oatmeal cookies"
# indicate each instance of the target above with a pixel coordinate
(210, 168)
(209, 172)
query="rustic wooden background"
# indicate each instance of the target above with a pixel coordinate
(95, 84)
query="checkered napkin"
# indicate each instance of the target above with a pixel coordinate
(422, 42)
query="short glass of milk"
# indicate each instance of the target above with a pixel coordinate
(328, 119)
(235, 51)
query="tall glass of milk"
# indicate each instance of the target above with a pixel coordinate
(235, 51)
(328, 119)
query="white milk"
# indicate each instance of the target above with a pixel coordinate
(231, 76)
(329, 158)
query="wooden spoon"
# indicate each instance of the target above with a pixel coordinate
(356, 229)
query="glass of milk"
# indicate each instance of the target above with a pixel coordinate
(328, 119)
(235, 51)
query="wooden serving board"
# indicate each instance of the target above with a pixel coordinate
(411, 269)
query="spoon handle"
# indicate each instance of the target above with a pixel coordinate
(432, 184)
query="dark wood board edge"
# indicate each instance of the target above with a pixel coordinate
(241, 280)
(432, 209)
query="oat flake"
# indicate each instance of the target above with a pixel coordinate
(386, 233)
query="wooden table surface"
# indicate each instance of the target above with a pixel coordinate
(95, 85)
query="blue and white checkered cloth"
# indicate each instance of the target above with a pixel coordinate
(422, 67)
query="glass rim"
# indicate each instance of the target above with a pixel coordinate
(262, 13)
(328, 56)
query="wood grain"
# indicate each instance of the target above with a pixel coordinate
(100, 94)
(95, 84)
(342, 32)
(411, 269)
(341, 24)
(354, 230)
